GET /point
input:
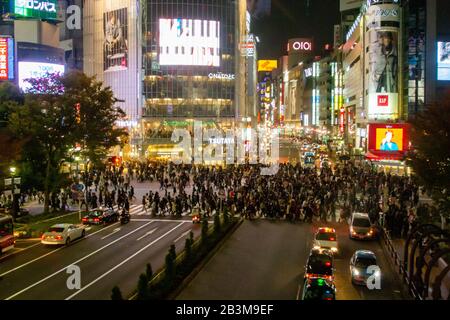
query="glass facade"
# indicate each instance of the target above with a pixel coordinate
(197, 41)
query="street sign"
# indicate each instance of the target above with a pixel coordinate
(17, 180)
(8, 182)
(16, 191)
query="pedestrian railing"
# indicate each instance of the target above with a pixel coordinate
(386, 238)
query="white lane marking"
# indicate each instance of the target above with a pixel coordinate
(123, 262)
(159, 220)
(182, 236)
(147, 234)
(78, 261)
(109, 235)
(51, 252)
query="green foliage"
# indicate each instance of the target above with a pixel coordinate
(46, 122)
(170, 268)
(149, 271)
(116, 294)
(188, 250)
(142, 290)
(431, 157)
(205, 227)
(217, 224)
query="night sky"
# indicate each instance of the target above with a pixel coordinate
(296, 19)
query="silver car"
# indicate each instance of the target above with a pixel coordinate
(63, 234)
(359, 267)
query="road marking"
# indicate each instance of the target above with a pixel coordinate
(123, 262)
(147, 234)
(51, 252)
(109, 235)
(183, 235)
(76, 262)
(17, 250)
(159, 220)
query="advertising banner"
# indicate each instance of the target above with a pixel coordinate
(34, 70)
(391, 140)
(267, 65)
(384, 71)
(35, 9)
(6, 58)
(116, 40)
(187, 42)
(443, 61)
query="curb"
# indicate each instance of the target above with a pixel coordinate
(203, 263)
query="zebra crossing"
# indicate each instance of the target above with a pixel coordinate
(138, 210)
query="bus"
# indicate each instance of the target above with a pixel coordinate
(7, 239)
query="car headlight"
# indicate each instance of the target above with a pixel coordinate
(377, 273)
(334, 249)
(316, 247)
(355, 272)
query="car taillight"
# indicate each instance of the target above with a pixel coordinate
(332, 239)
(96, 219)
(43, 237)
(328, 264)
(59, 237)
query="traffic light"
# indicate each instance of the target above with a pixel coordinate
(78, 113)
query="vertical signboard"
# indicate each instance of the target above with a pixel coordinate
(6, 59)
(116, 40)
(383, 25)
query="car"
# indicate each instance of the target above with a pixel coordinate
(361, 227)
(326, 238)
(63, 234)
(318, 289)
(359, 266)
(101, 216)
(320, 265)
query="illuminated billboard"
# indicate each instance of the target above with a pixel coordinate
(33, 70)
(115, 24)
(389, 139)
(267, 65)
(443, 61)
(6, 59)
(383, 60)
(300, 45)
(187, 42)
(35, 9)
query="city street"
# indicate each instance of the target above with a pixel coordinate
(265, 260)
(113, 255)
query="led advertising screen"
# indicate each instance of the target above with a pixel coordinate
(187, 42)
(267, 65)
(115, 27)
(35, 9)
(392, 139)
(33, 70)
(443, 61)
(6, 59)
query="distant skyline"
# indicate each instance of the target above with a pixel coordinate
(296, 18)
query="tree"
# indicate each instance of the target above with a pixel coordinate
(205, 227)
(149, 272)
(170, 268)
(430, 159)
(116, 294)
(217, 223)
(50, 123)
(142, 289)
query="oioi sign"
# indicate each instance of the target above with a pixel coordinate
(35, 9)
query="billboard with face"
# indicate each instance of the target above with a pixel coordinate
(116, 40)
(389, 139)
(383, 61)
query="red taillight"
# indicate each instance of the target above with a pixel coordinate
(332, 239)
(58, 237)
(43, 237)
(328, 264)
(96, 219)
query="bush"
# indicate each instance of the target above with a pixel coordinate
(116, 294)
(149, 272)
(217, 224)
(142, 287)
(170, 268)
(187, 250)
(205, 227)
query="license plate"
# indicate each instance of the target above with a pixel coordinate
(90, 220)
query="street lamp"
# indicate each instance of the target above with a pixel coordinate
(13, 170)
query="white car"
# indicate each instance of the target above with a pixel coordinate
(326, 239)
(63, 234)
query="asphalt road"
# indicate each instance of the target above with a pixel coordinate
(264, 260)
(108, 256)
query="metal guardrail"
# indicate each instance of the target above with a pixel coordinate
(399, 264)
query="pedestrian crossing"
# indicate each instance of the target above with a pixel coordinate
(138, 210)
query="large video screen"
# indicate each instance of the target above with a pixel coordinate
(116, 40)
(187, 42)
(33, 70)
(389, 138)
(443, 61)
